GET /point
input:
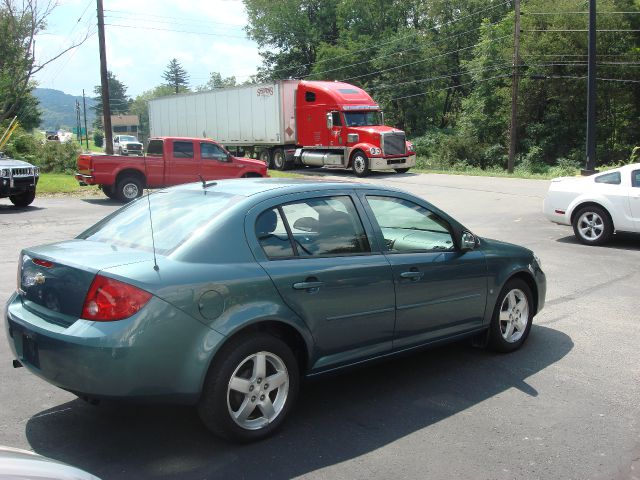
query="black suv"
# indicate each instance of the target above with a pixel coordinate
(18, 181)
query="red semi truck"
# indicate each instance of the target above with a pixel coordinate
(291, 122)
(168, 161)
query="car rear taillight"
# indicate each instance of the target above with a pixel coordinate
(108, 300)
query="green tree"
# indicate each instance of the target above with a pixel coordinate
(176, 76)
(289, 32)
(20, 22)
(140, 107)
(217, 81)
(119, 102)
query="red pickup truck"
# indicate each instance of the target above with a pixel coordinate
(168, 161)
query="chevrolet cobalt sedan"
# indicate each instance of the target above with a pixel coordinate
(225, 294)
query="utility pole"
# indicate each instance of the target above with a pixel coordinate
(84, 111)
(513, 129)
(78, 127)
(104, 81)
(590, 164)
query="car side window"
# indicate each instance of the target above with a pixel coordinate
(326, 226)
(337, 120)
(272, 235)
(612, 178)
(209, 151)
(155, 148)
(635, 178)
(408, 227)
(182, 149)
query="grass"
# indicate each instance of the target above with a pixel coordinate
(61, 183)
(279, 174)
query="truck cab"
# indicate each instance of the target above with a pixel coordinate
(340, 125)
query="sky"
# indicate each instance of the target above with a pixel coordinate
(140, 44)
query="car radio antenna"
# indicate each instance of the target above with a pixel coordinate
(205, 184)
(153, 240)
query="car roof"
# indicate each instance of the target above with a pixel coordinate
(249, 187)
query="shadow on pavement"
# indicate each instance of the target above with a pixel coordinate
(348, 174)
(103, 201)
(338, 418)
(11, 209)
(620, 241)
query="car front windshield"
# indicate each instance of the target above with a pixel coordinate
(177, 216)
(362, 119)
(128, 138)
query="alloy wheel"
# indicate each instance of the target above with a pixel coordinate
(514, 315)
(590, 226)
(257, 390)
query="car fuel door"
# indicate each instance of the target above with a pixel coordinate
(318, 253)
(440, 290)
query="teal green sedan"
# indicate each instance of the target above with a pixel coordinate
(224, 295)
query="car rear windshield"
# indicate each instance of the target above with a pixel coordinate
(176, 215)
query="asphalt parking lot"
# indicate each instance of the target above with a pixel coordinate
(565, 406)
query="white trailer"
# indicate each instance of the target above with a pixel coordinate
(252, 115)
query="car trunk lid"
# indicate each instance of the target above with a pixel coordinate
(54, 279)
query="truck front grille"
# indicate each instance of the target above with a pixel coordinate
(22, 172)
(393, 143)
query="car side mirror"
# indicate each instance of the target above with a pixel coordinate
(467, 241)
(329, 120)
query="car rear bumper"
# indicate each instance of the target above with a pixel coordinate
(554, 213)
(85, 179)
(158, 354)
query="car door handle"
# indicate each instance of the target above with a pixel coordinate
(412, 275)
(311, 286)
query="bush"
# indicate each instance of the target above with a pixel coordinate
(98, 138)
(49, 156)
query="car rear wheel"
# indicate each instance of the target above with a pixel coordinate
(512, 316)
(265, 156)
(250, 389)
(592, 225)
(108, 191)
(129, 188)
(279, 160)
(360, 164)
(23, 199)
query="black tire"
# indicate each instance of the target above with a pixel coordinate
(109, 192)
(218, 400)
(402, 170)
(265, 156)
(513, 313)
(119, 150)
(279, 160)
(360, 164)
(592, 225)
(23, 199)
(128, 188)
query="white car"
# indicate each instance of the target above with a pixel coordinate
(598, 205)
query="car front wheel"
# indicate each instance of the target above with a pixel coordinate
(360, 164)
(23, 199)
(592, 225)
(512, 316)
(250, 389)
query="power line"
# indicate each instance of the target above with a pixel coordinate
(169, 22)
(138, 27)
(451, 87)
(581, 30)
(398, 52)
(170, 17)
(423, 60)
(586, 12)
(451, 22)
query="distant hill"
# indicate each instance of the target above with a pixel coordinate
(59, 109)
